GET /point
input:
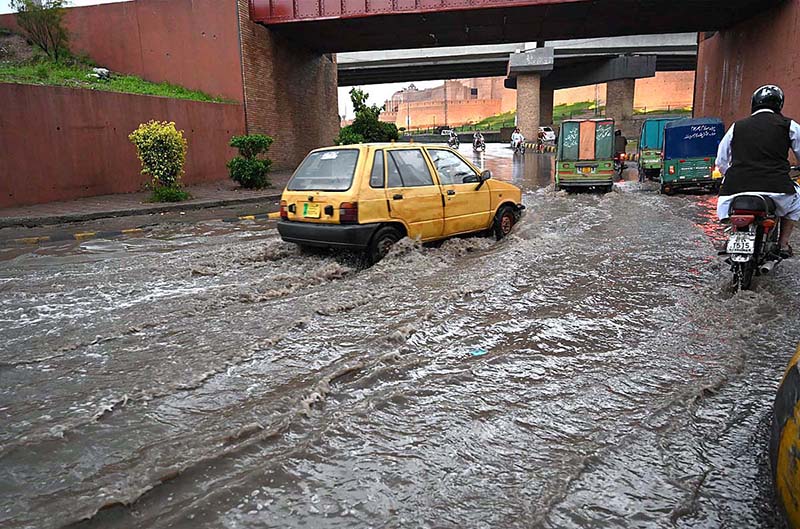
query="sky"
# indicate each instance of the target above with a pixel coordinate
(377, 93)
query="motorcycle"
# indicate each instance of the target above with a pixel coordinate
(518, 147)
(619, 164)
(478, 145)
(453, 142)
(752, 248)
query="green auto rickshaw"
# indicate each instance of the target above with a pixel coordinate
(651, 141)
(689, 154)
(585, 155)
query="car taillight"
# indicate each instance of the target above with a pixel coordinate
(348, 213)
(768, 224)
(741, 221)
(671, 169)
(284, 211)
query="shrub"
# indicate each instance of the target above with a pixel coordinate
(367, 126)
(162, 150)
(43, 23)
(251, 168)
(348, 137)
(169, 194)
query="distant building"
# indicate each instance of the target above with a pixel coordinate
(469, 101)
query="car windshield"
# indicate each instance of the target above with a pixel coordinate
(325, 171)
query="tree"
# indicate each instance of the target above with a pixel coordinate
(367, 126)
(43, 22)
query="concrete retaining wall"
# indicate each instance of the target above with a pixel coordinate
(731, 64)
(62, 143)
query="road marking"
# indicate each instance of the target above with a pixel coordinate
(82, 236)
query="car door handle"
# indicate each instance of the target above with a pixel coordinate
(450, 192)
(397, 197)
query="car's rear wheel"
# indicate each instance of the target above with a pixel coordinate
(381, 243)
(504, 222)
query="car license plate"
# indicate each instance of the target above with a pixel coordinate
(742, 242)
(311, 211)
(587, 170)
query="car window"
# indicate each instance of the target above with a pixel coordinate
(451, 168)
(407, 168)
(325, 171)
(376, 179)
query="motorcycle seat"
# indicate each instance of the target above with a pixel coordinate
(754, 203)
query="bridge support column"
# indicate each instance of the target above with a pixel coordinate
(546, 97)
(528, 104)
(619, 100)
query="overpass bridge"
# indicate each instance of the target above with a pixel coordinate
(676, 52)
(360, 25)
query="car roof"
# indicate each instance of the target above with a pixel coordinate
(385, 145)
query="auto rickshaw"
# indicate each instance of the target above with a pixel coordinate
(651, 141)
(690, 149)
(585, 155)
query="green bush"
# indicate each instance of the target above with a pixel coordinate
(169, 194)
(43, 23)
(348, 137)
(162, 150)
(251, 169)
(367, 126)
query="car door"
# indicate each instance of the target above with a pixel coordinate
(412, 194)
(466, 207)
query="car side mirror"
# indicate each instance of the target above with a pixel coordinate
(486, 175)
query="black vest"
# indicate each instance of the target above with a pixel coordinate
(759, 156)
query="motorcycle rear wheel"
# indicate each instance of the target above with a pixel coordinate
(742, 276)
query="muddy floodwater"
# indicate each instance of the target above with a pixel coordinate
(590, 371)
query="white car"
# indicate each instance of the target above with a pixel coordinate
(446, 132)
(547, 134)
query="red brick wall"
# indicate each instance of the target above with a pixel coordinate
(193, 43)
(734, 62)
(431, 113)
(290, 92)
(63, 143)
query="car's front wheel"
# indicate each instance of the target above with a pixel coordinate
(504, 221)
(381, 243)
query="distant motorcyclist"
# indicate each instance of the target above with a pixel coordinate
(753, 157)
(477, 137)
(620, 143)
(516, 138)
(452, 141)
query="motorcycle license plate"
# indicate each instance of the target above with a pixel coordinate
(311, 211)
(742, 242)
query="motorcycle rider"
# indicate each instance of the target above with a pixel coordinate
(753, 158)
(453, 138)
(620, 143)
(477, 139)
(516, 138)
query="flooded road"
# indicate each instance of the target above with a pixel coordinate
(591, 370)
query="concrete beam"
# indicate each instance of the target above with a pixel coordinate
(597, 71)
(540, 61)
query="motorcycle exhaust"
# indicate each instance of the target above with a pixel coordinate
(767, 267)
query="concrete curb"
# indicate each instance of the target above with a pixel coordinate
(540, 148)
(30, 222)
(88, 235)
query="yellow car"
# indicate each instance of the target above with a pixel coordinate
(367, 197)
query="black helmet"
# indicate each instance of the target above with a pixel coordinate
(768, 97)
(617, 132)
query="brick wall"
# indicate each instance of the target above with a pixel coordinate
(432, 113)
(63, 143)
(733, 63)
(666, 89)
(290, 92)
(192, 43)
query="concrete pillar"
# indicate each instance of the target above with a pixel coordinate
(546, 97)
(619, 100)
(528, 104)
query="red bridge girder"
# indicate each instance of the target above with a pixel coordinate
(356, 25)
(277, 11)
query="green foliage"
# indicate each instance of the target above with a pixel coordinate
(348, 137)
(43, 23)
(251, 168)
(74, 72)
(169, 194)
(367, 127)
(162, 150)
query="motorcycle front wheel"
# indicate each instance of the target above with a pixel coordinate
(743, 276)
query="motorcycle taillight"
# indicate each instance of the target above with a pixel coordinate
(742, 221)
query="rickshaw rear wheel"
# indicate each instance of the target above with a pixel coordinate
(667, 190)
